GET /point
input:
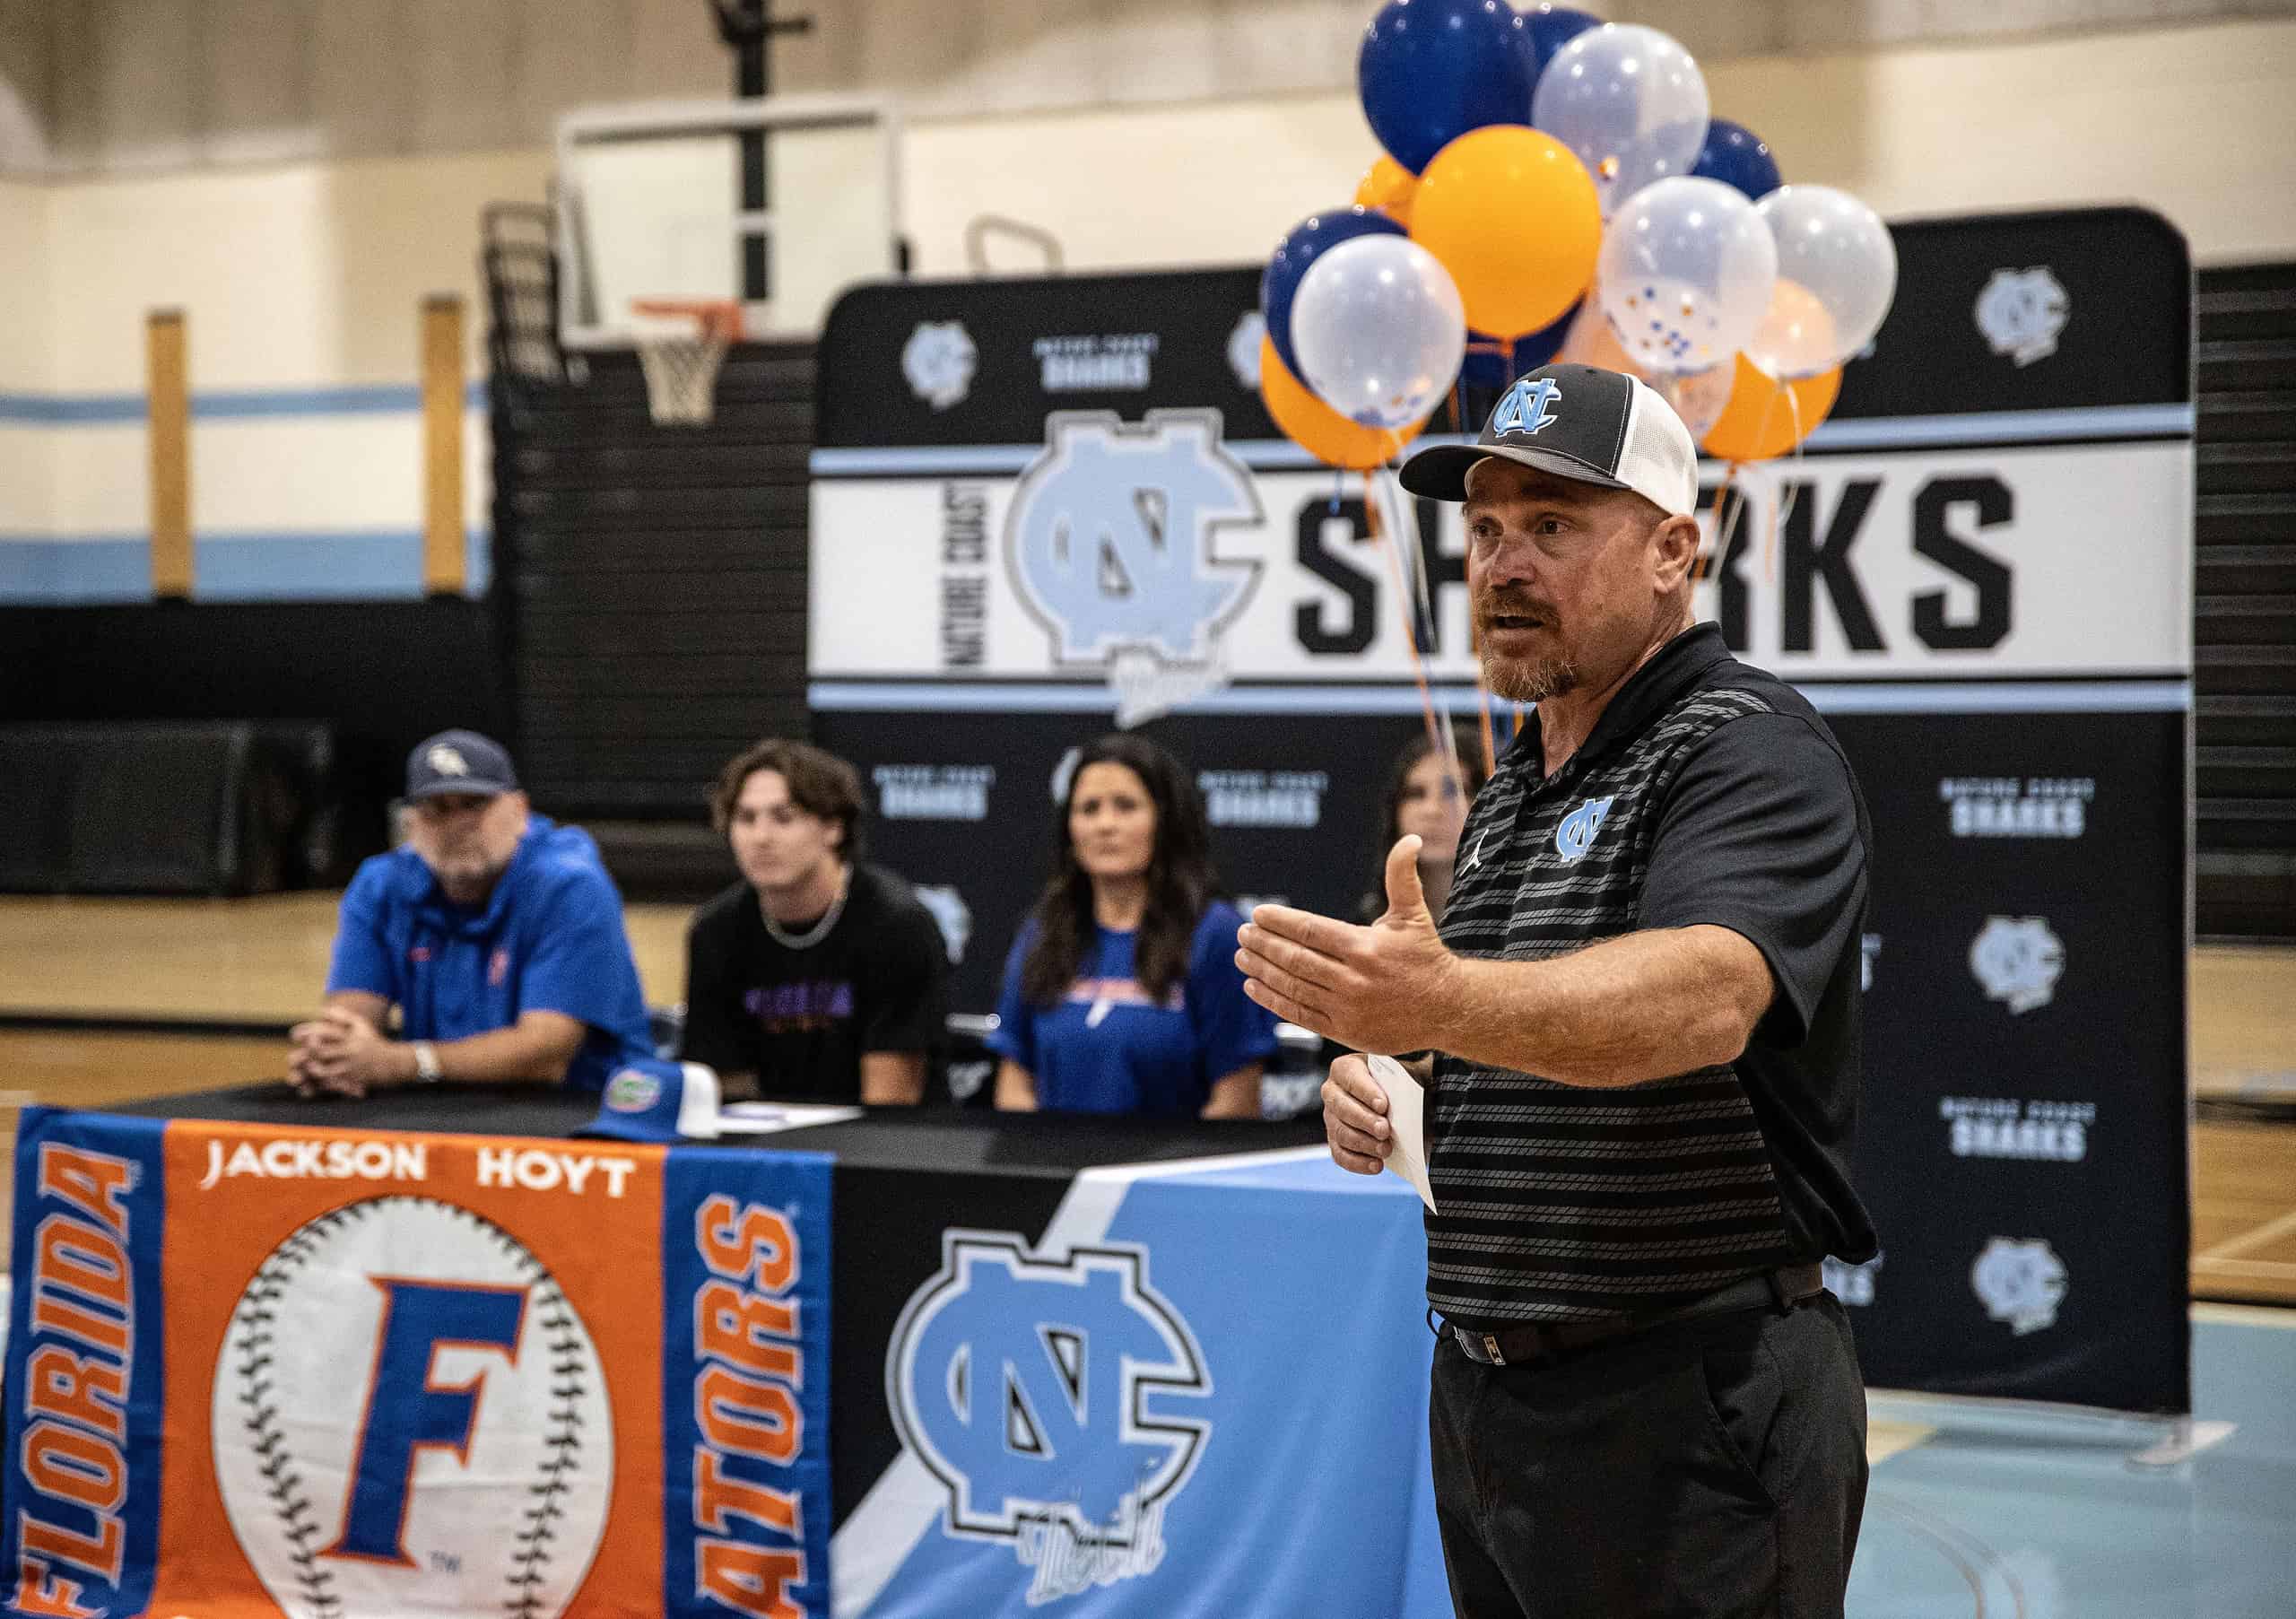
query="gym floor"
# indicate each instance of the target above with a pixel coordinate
(1976, 1508)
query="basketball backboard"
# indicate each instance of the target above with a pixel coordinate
(650, 206)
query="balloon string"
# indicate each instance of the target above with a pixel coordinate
(1490, 730)
(1794, 483)
(1380, 530)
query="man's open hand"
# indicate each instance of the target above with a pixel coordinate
(1384, 987)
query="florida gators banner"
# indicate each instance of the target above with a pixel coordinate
(326, 1374)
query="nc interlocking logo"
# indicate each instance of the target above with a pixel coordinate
(2020, 313)
(938, 361)
(1524, 409)
(1110, 534)
(1046, 1398)
(2019, 1282)
(1575, 835)
(2018, 960)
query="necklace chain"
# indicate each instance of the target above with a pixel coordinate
(811, 935)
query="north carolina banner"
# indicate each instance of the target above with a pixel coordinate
(1045, 505)
(331, 1374)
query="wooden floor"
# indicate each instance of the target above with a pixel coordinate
(260, 963)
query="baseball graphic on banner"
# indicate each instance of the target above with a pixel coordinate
(409, 1416)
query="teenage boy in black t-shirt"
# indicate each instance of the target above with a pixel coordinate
(821, 977)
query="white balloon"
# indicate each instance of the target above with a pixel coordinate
(1630, 101)
(1686, 274)
(1838, 251)
(1379, 330)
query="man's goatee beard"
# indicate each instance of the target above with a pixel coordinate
(1532, 682)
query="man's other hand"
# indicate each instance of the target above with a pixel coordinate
(1355, 1116)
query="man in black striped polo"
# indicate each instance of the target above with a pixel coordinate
(1641, 1021)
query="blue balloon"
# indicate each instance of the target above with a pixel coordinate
(1310, 240)
(1552, 27)
(1486, 368)
(1432, 70)
(1736, 156)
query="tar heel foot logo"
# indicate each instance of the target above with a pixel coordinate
(2019, 1282)
(2018, 960)
(471, 1474)
(446, 760)
(950, 914)
(2020, 313)
(938, 361)
(1109, 537)
(1049, 1399)
(1575, 835)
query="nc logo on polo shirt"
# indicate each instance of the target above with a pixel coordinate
(1575, 835)
(1050, 1399)
(1524, 409)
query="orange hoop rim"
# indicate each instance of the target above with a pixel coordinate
(719, 317)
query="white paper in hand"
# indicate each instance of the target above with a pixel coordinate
(1406, 1117)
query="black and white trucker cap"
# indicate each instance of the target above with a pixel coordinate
(1576, 421)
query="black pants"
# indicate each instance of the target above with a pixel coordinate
(1713, 1468)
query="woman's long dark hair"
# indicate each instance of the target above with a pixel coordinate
(1472, 775)
(1180, 879)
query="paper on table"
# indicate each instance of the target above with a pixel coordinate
(1406, 1117)
(765, 1118)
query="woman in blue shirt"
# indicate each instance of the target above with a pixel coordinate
(1122, 995)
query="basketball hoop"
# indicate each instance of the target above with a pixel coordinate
(681, 343)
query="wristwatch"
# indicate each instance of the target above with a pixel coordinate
(426, 1064)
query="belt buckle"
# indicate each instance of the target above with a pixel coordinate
(1490, 1348)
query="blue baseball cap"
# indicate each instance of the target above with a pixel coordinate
(459, 762)
(650, 1098)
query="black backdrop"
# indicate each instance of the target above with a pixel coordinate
(2023, 1144)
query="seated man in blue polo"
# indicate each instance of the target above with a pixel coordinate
(495, 931)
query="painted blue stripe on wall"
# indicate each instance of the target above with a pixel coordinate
(374, 564)
(1896, 697)
(81, 572)
(223, 404)
(1879, 432)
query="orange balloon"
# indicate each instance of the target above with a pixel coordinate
(1513, 215)
(1319, 430)
(1766, 417)
(1796, 336)
(1388, 187)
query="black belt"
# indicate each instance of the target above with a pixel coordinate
(1542, 1341)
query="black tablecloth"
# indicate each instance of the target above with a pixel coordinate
(943, 1140)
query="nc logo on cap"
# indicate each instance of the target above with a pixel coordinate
(1524, 408)
(633, 1091)
(446, 760)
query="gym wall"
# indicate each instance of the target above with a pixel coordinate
(301, 276)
